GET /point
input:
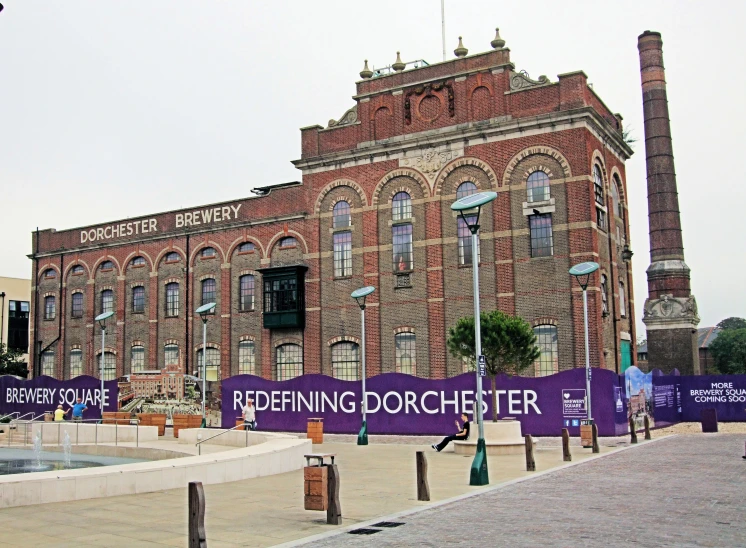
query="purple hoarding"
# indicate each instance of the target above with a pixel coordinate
(680, 398)
(402, 404)
(43, 394)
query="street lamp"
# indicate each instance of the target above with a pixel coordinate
(582, 273)
(101, 319)
(472, 206)
(359, 295)
(204, 311)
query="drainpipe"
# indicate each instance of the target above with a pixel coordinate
(2, 317)
(617, 354)
(188, 311)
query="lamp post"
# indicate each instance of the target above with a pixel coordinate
(359, 295)
(469, 208)
(204, 311)
(582, 273)
(101, 319)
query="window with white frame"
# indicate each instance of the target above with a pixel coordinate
(246, 358)
(342, 242)
(405, 353)
(212, 367)
(345, 361)
(50, 307)
(246, 292)
(76, 362)
(107, 301)
(537, 187)
(109, 371)
(138, 299)
(622, 305)
(47, 363)
(289, 359)
(401, 206)
(604, 296)
(542, 241)
(341, 215)
(171, 355)
(598, 192)
(76, 310)
(172, 299)
(546, 340)
(137, 358)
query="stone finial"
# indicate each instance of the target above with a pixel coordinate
(398, 66)
(366, 72)
(460, 50)
(498, 42)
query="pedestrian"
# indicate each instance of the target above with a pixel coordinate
(249, 415)
(59, 414)
(78, 409)
(463, 434)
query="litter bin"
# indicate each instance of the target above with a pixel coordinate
(315, 430)
(48, 416)
(586, 432)
(316, 481)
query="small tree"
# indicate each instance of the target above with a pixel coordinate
(729, 351)
(732, 323)
(10, 362)
(508, 345)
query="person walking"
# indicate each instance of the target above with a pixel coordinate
(463, 434)
(249, 415)
(78, 409)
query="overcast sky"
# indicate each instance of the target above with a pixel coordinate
(117, 109)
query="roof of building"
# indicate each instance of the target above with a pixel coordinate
(705, 336)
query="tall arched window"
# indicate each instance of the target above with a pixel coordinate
(604, 296)
(47, 363)
(406, 353)
(622, 300)
(246, 358)
(76, 362)
(401, 207)
(208, 291)
(598, 191)
(171, 355)
(172, 299)
(289, 361)
(138, 299)
(546, 340)
(345, 361)
(109, 371)
(107, 301)
(76, 310)
(616, 199)
(341, 215)
(462, 226)
(537, 187)
(137, 358)
(246, 292)
(342, 251)
(50, 307)
(212, 370)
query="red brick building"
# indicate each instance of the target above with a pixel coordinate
(373, 208)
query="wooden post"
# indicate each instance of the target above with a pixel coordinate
(197, 535)
(566, 456)
(530, 462)
(423, 488)
(596, 448)
(647, 428)
(632, 431)
(334, 510)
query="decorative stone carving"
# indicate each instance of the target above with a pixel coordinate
(668, 307)
(521, 80)
(431, 161)
(429, 89)
(349, 117)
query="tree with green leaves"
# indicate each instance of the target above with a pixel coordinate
(11, 362)
(508, 345)
(732, 323)
(729, 351)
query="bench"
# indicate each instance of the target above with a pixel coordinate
(319, 458)
(117, 417)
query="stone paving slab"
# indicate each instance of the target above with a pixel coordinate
(678, 491)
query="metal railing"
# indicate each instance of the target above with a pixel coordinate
(199, 443)
(10, 415)
(67, 424)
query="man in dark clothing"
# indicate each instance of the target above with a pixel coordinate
(462, 435)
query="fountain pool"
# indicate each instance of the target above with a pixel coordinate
(23, 461)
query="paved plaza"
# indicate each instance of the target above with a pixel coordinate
(677, 491)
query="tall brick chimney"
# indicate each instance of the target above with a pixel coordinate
(670, 314)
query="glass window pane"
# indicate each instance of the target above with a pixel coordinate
(465, 189)
(246, 358)
(406, 353)
(246, 247)
(598, 185)
(542, 244)
(402, 248)
(342, 254)
(107, 301)
(109, 371)
(212, 369)
(77, 305)
(137, 359)
(171, 356)
(76, 363)
(289, 361)
(401, 206)
(246, 292)
(208, 252)
(47, 363)
(345, 361)
(464, 240)
(546, 340)
(622, 305)
(138, 299)
(172, 299)
(537, 187)
(50, 307)
(341, 215)
(604, 296)
(208, 291)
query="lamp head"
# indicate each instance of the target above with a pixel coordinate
(472, 202)
(205, 309)
(627, 253)
(583, 271)
(360, 295)
(101, 319)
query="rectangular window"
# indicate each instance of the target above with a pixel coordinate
(76, 310)
(546, 340)
(342, 254)
(109, 372)
(464, 240)
(622, 306)
(604, 296)
(18, 325)
(107, 301)
(137, 359)
(209, 289)
(402, 248)
(47, 363)
(601, 218)
(541, 235)
(138, 299)
(50, 307)
(246, 358)
(76, 363)
(281, 295)
(212, 368)
(246, 292)
(172, 300)
(171, 355)
(406, 353)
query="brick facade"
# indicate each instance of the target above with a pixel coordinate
(423, 131)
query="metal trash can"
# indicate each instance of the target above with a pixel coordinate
(48, 416)
(315, 430)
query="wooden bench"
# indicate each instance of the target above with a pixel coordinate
(116, 417)
(185, 421)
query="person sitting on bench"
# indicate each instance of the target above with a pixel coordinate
(462, 435)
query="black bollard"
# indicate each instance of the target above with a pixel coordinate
(334, 510)
(530, 462)
(566, 455)
(197, 535)
(632, 431)
(647, 428)
(596, 448)
(423, 488)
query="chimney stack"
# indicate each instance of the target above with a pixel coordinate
(670, 314)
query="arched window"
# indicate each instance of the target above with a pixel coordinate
(546, 340)
(465, 189)
(172, 299)
(47, 363)
(106, 265)
(50, 307)
(288, 242)
(537, 187)
(76, 362)
(78, 270)
(246, 358)
(172, 257)
(246, 292)
(171, 355)
(401, 206)
(406, 353)
(212, 371)
(137, 358)
(76, 310)
(138, 299)
(604, 296)
(207, 253)
(615, 198)
(107, 301)
(50, 273)
(138, 261)
(208, 291)
(109, 371)
(341, 215)
(345, 361)
(598, 191)
(246, 247)
(289, 362)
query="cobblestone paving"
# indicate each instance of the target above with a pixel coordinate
(681, 491)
